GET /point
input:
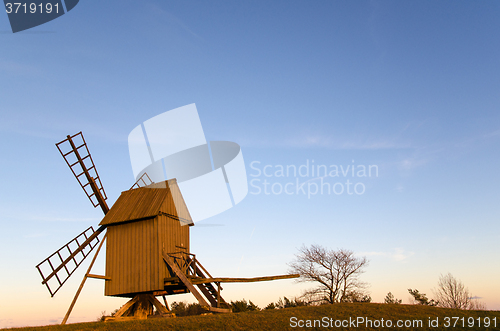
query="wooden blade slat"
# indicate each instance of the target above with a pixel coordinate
(81, 153)
(90, 239)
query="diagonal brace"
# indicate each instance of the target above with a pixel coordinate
(184, 279)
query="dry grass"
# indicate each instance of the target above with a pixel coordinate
(280, 319)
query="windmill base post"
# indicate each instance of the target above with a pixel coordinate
(140, 307)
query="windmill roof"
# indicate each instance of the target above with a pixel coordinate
(148, 202)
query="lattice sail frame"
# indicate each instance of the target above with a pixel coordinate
(58, 267)
(77, 155)
(143, 181)
(62, 259)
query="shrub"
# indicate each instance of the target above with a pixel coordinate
(421, 298)
(271, 306)
(243, 305)
(286, 303)
(390, 299)
(184, 309)
(356, 296)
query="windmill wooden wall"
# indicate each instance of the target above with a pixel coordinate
(141, 224)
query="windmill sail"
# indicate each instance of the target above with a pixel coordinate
(76, 154)
(57, 268)
(144, 180)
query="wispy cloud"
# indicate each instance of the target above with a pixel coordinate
(398, 137)
(35, 235)
(164, 19)
(492, 134)
(39, 218)
(331, 142)
(17, 68)
(413, 162)
(55, 129)
(373, 253)
(398, 254)
(207, 225)
(417, 143)
(29, 128)
(66, 219)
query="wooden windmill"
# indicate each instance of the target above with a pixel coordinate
(147, 250)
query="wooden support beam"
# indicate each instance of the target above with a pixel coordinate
(220, 310)
(199, 280)
(126, 306)
(140, 307)
(159, 307)
(218, 295)
(165, 302)
(173, 280)
(244, 280)
(143, 307)
(121, 319)
(184, 279)
(65, 319)
(98, 277)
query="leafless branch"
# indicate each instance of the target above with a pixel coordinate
(336, 272)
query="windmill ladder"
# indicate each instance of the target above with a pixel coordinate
(208, 291)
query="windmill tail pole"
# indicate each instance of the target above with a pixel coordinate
(65, 319)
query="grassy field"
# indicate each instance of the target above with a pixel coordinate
(327, 315)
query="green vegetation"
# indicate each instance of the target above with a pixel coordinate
(421, 298)
(183, 309)
(390, 299)
(286, 303)
(279, 319)
(242, 305)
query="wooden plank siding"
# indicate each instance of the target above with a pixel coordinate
(134, 262)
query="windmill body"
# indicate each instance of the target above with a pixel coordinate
(142, 224)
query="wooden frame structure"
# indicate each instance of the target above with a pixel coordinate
(147, 245)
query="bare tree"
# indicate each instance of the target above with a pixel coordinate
(335, 272)
(452, 293)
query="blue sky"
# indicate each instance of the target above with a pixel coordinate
(411, 87)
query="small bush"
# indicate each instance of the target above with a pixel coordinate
(286, 303)
(103, 315)
(184, 309)
(357, 296)
(243, 305)
(421, 298)
(271, 306)
(390, 299)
